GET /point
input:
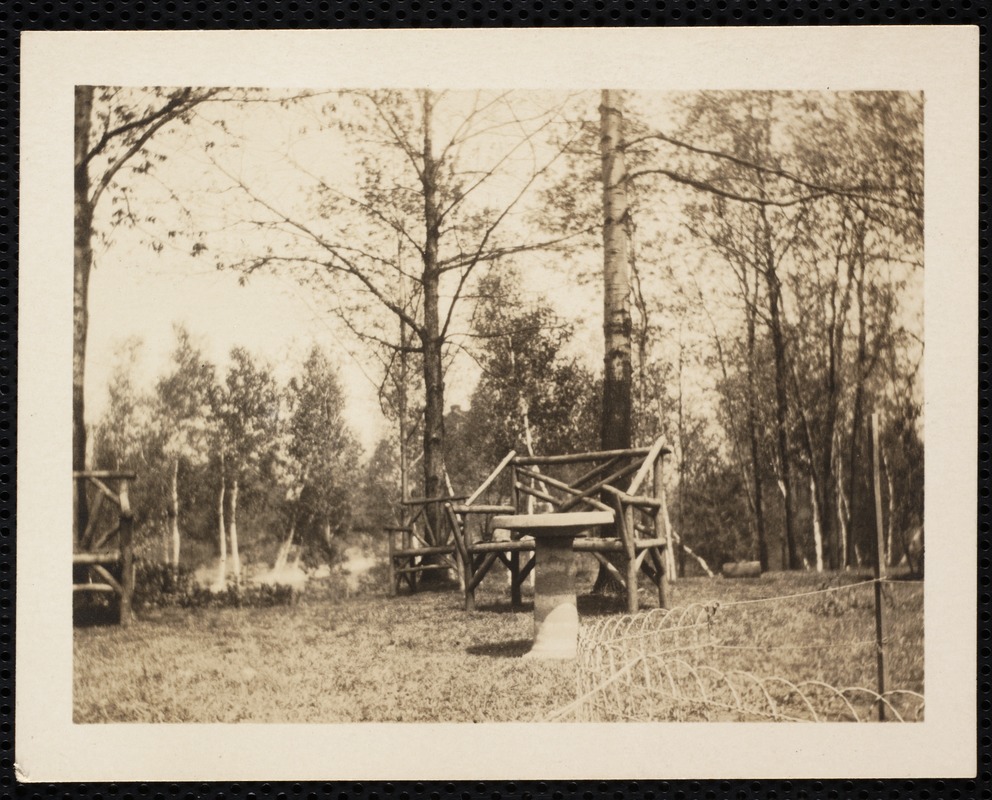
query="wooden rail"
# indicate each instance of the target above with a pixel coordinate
(103, 550)
(421, 542)
(615, 482)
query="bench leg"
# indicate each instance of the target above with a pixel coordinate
(632, 585)
(470, 570)
(660, 577)
(515, 580)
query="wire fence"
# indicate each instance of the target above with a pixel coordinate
(802, 657)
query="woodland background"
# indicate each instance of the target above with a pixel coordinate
(756, 298)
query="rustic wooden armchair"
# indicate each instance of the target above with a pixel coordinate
(615, 480)
(421, 543)
(103, 537)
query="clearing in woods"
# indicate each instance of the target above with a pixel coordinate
(422, 658)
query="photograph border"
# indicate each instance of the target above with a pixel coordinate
(507, 730)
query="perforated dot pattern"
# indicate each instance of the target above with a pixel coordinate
(19, 15)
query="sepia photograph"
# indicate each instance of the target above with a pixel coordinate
(660, 342)
(413, 402)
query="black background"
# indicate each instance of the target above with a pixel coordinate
(20, 16)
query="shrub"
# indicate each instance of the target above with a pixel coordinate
(159, 585)
(252, 596)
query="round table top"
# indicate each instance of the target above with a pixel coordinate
(568, 524)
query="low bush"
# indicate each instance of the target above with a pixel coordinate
(159, 585)
(245, 596)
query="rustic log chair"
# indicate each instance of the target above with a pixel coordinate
(610, 481)
(417, 537)
(103, 551)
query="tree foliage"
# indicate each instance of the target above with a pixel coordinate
(323, 450)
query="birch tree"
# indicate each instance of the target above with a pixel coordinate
(184, 412)
(249, 415)
(617, 325)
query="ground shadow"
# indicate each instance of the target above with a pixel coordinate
(512, 649)
(94, 614)
(428, 587)
(506, 607)
(589, 605)
(599, 605)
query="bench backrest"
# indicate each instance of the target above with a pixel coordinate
(102, 515)
(606, 480)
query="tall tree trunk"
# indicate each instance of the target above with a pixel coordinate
(615, 422)
(617, 324)
(826, 487)
(781, 403)
(682, 456)
(834, 391)
(82, 257)
(854, 492)
(820, 501)
(174, 512)
(817, 529)
(840, 544)
(221, 529)
(233, 532)
(404, 459)
(750, 479)
(752, 425)
(890, 520)
(431, 338)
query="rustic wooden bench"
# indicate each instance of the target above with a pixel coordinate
(103, 537)
(421, 543)
(615, 481)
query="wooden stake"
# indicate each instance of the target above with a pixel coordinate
(879, 566)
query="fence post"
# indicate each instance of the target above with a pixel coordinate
(879, 567)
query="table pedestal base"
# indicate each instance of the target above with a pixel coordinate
(556, 618)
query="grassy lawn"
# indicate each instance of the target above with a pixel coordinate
(423, 658)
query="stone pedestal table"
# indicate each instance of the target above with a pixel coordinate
(556, 618)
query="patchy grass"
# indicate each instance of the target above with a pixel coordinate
(423, 658)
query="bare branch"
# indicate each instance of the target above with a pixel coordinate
(705, 186)
(858, 192)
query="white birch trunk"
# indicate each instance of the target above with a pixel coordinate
(675, 538)
(174, 512)
(842, 515)
(282, 556)
(221, 533)
(817, 532)
(892, 509)
(669, 554)
(233, 533)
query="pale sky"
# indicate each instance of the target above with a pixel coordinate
(272, 317)
(136, 292)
